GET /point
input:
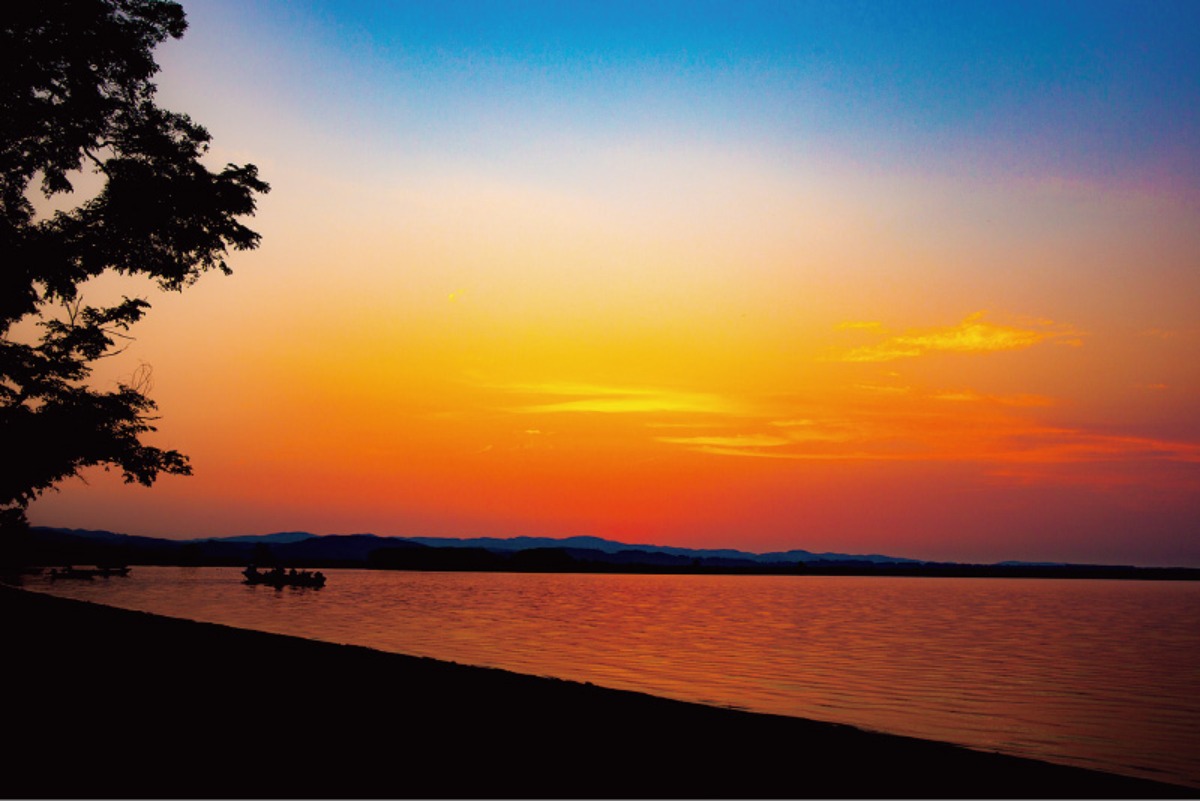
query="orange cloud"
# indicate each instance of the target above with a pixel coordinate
(555, 397)
(1061, 446)
(735, 441)
(972, 335)
(970, 396)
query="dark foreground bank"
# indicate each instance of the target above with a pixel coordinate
(105, 703)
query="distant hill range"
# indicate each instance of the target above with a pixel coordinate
(59, 546)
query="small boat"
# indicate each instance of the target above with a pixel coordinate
(70, 572)
(87, 573)
(279, 578)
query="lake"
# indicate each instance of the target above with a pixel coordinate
(1099, 674)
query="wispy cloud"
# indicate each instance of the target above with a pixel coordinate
(999, 433)
(566, 397)
(996, 432)
(972, 335)
(791, 438)
(810, 430)
(1062, 446)
(734, 441)
(797, 456)
(883, 389)
(1160, 333)
(633, 404)
(1017, 446)
(969, 396)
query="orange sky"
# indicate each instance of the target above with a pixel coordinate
(668, 307)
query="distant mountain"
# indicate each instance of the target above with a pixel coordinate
(809, 556)
(305, 547)
(612, 547)
(281, 537)
(99, 535)
(521, 543)
(51, 546)
(335, 548)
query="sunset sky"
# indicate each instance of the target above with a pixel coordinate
(920, 279)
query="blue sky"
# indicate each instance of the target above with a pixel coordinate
(1106, 90)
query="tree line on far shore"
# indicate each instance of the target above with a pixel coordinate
(55, 547)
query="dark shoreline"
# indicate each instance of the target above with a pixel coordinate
(107, 703)
(51, 547)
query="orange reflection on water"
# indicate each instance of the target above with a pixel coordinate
(1102, 674)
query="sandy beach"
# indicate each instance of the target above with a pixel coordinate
(107, 703)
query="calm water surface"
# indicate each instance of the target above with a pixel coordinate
(1102, 674)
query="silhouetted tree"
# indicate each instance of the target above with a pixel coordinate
(76, 96)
